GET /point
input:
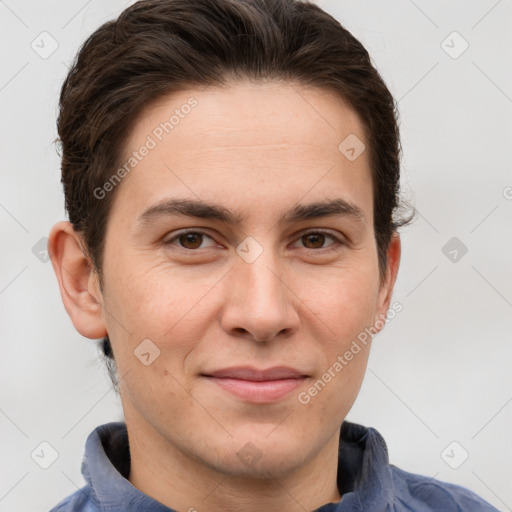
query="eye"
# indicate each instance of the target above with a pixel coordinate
(189, 240)
(317, 238)
(192, 240)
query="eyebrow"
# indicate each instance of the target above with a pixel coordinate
(204, 210)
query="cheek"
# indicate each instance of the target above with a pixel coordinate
(141, 293)
(158, 303)
(344, 301)
(347, 308)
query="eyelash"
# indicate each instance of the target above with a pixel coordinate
(333, 247)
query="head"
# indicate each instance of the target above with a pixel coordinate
(195, 138)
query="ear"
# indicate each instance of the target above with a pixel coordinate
(78, 281)
(388, 283)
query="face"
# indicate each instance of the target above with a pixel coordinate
(243, 308)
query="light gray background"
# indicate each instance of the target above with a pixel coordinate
(439, 372)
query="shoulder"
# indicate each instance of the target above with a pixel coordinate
(419, 491)
(80, 501)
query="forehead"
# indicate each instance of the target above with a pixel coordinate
(247, 141)
(229, 115)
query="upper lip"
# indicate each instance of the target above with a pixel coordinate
(250, 373)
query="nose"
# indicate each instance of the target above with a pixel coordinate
(260, 302)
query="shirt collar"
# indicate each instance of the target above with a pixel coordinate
(364, 475)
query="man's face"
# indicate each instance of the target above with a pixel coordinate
(253, 294)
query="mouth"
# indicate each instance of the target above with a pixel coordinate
(257, 386)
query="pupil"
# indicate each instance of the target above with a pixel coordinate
(189, 238)
(315, 238)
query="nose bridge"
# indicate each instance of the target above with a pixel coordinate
(258, 267)
(260, 300)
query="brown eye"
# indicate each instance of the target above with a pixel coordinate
(315, 239)
(188, 240)
(191, 240)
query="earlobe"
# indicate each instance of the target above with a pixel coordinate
(386, 288)
(77, 281)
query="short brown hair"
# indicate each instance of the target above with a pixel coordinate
(156, 47)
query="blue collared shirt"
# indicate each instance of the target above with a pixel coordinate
(366, 480)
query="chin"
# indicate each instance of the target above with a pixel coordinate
(260, 455)
(267, 466)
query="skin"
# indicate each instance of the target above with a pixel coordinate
(258, 149)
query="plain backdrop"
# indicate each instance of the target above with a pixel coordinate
(438, 386)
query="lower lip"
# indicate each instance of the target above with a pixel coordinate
(258, 391)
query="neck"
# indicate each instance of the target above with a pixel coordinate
(161, 471)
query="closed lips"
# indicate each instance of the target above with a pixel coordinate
(252, 374)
